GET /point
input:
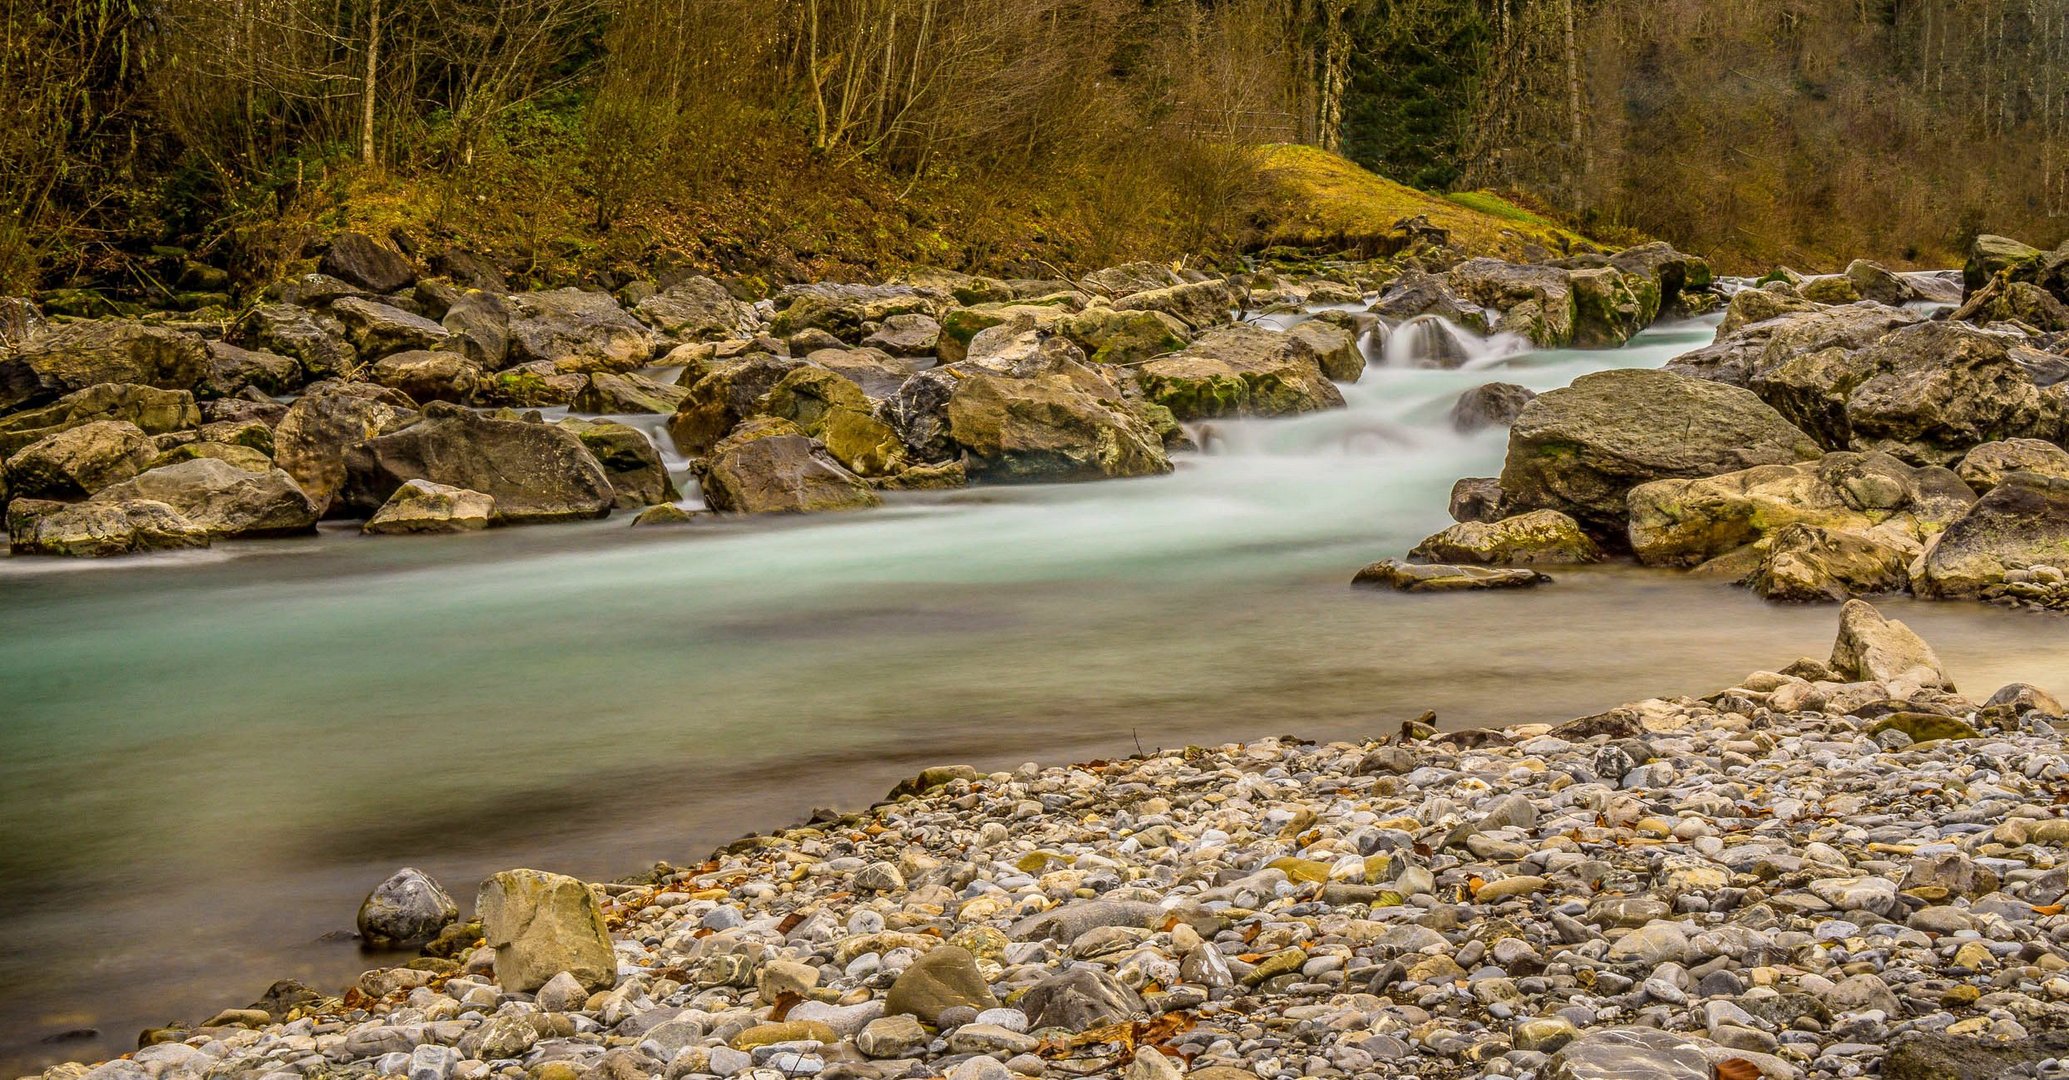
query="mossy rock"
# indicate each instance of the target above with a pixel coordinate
(1922, 727)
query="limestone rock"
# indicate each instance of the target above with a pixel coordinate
(420, 506)
(576, 331)
(2022, 523)
(698, 309)
(376, 329)
(1065, 423)
(1200, 305)
(1986, 466)
(224, 499)
(406, 910)
(78, 355)
(154, 411)
(770, 466)
(1581, 449)
(359, 259)
(637, 475)
(1538, 537)
(1240, 371)
(1441, 577)
(98, 529)
(535, 472)
(541, 924)
(331, 418)
(942, 978)
(79, 461)
(1490, 405)
(1872, 647)
(429, 376)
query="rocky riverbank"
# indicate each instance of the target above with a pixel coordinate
(1841, 868)
(424, 396)
(1844, 436)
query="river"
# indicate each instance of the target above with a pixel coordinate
(207, 758)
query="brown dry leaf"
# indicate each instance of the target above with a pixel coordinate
(790, 922)
(1475, 883)
(2048, 909)
(785, 1001)
(1737, 1069)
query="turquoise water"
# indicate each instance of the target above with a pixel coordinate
(207, 758)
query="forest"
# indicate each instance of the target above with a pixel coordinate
(794, 137)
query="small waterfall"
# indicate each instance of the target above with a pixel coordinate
(1429, 341)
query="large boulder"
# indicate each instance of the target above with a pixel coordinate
(1200, 305)
(1990, 255)
(1986, 466)
(1581, 449)
(832, 409)
(1872, 281)
(1064, 423)
(223, 499)
(1130, 278)
(1112, 336)
(477, 325)
(634, 468)
(1870, 646)
(376, 329)
(848, 311)
(1926, 393)
(1626, 1053)
(575, 330)
(1444, 577)
(317, 342)
(1538, 537)
(98, 529)
(1749, 352)
(82, 354)
(2005, 300)
(1770, 301)
(910, 334)
(331, 418)
(536, 472)
(420, 506)
(542, 924)
(1080, 998)
(429, 376)
(405, 911)
(1674, 275)
(1416, 293)
(77, 462)
(1682, 522)
(155, 411)
(1807, 563)
(698, 309)
(232, 368)
(719, 401)
(1240, 371)
(1336, 349)
(770, 466)
(2023, 522)
(1610, 307)
(1536, 302)
(942, 978)
(961, 328)
(363, 261)
(606, 394)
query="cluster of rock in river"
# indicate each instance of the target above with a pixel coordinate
(369, 390)
(1836, 440)
(1839, 869)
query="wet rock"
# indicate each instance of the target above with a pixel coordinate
(406, 910)
(770, 466)
(420, 506)
(637, 475)
(541, 925)
(1610, 307)
(1415, 294)
(1335, 347)
(1535, 538)
(720, 401)
(611, 394)
(225, 500)
(535, 472)
(1489, 405)
(78, 355)
(98, 529)
(154, 411)
(845, 310)
(1759, 351)
(832, 409)
(1477, 498)
(79, 461)
(1580, 450)
(911, 334)
(1240, 371)
(1873, 282)
(1440, 577)
(1063, 423)
(1536, 302)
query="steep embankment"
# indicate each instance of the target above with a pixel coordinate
(1321, 200)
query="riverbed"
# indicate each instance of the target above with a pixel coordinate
(207, 758)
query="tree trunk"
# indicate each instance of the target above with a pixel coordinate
(373, 57)
(1575, 134)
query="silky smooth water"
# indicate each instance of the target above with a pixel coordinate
(207, 758)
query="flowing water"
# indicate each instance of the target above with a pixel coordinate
(207, 758)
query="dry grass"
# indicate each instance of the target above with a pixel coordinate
(1322, 200)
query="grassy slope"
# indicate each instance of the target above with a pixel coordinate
(1323, 200)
